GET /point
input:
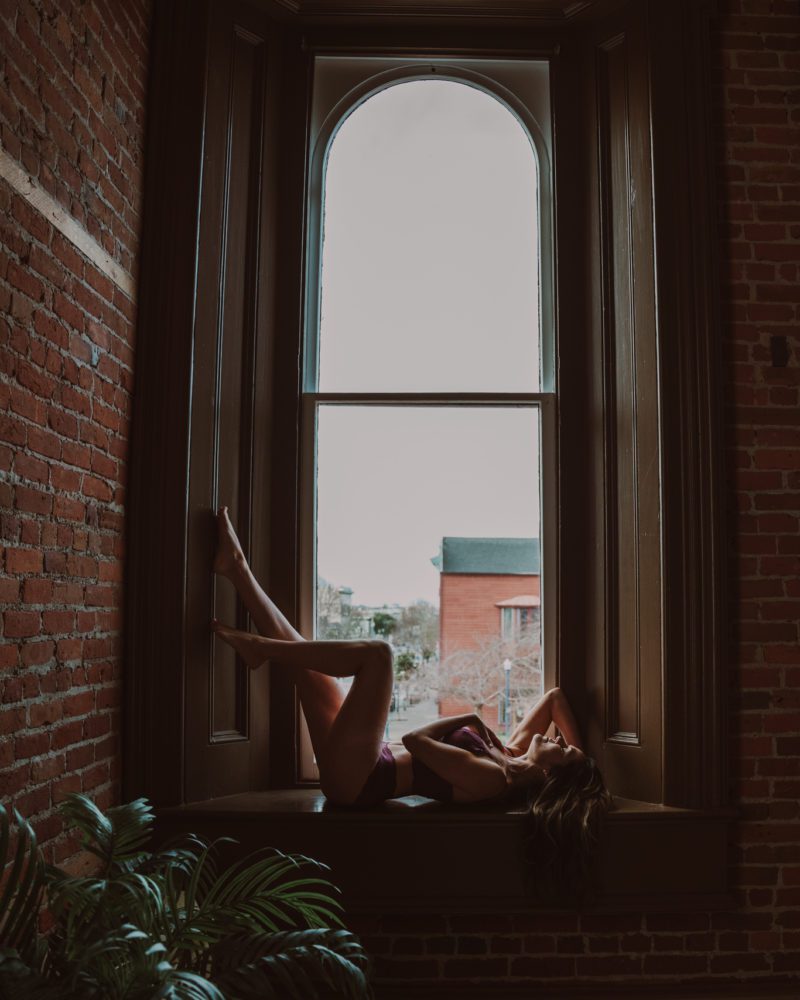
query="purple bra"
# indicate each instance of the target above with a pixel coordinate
(427, 782)
(380, 784)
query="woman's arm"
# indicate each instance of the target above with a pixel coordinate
(565, 720)
(441, 727)
(552, 707)
(473, 778)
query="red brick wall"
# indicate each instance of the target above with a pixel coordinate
(71, 114)
(468, 606)
(757, 110)
(467, 614)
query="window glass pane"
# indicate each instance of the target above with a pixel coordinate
(430, 274)
(427, 524)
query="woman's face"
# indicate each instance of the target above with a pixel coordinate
(546, 752)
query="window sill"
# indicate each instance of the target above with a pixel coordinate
(418, 855)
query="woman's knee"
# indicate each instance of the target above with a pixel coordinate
(377, 653)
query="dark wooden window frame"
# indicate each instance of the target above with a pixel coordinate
(641, 526)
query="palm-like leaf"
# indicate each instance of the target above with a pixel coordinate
(117, 837)
(163, 925)
(22, 895)
(20, 981)
(292, 964)
(256, 895)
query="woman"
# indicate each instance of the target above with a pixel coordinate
(456, 759)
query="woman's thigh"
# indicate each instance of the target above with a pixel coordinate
(356, 736)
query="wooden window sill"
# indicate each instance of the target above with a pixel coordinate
(417, 855)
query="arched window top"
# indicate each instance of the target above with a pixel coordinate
(430, 260)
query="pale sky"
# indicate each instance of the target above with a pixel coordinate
(429, 282)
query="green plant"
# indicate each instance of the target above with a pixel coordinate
(168, 924)
(404, 665)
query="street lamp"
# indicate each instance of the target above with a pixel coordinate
(507, 706)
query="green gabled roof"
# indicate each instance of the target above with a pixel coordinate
(507, 556)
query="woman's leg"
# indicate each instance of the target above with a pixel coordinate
(354, 741)
(320, 695)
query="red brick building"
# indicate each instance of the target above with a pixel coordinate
(488, 591)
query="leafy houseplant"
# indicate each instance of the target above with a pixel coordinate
(168, 924)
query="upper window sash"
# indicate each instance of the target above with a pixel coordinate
(342, 83)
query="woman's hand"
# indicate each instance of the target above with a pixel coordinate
(494, 739)
(489, 738)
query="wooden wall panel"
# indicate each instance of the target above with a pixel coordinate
(226, 705)
(632, 590)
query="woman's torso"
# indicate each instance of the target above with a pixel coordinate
(413, 777)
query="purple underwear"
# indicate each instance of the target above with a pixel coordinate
(381, 782)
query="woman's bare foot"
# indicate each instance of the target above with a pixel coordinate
(229, 556)
(250, 647)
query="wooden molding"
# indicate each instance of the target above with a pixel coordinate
(157, 510)
(553, 12)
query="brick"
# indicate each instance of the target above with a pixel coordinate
(14, 780)
(31, 745)
(610, 965)
(9, 591)
(96, 725)
(23, 561)
(25, 281)
(69, 509)
(37, 591)
(47, 768)
(28, 467)
(478, 968)
(66, 786)
(67, 734)
(45, 713)
(30, 803)
(79, 757)
(20, 624)
(542, 968)
(36, 653)
(78, 704)
(12, 720)
(44, 443)
(12, 430)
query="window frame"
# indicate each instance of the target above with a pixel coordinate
(351, 81)
(165, 638)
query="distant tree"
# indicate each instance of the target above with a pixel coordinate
(383, 623)
(477, 676)
(405, 664)
(418, 629)
(336, 619)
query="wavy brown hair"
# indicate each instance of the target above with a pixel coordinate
(566, 816)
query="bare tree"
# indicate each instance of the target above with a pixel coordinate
(477, 676)
(417, 630)
(336, 617)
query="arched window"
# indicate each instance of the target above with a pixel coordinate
(424, 381)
